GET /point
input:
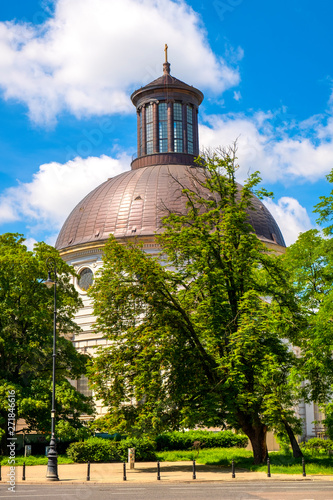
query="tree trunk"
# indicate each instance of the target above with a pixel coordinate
(294, 444)
(259, 445)
(257, 435)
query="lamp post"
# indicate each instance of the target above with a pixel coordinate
(52, 465)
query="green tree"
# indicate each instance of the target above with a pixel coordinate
(310, 265)
(26, 333)
(328, 420)
(197, 334)
(324, 209)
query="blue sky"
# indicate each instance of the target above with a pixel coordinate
(68, 67)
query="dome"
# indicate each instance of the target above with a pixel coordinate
(134, 202)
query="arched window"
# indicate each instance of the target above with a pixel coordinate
(86, 279)
(189, 115)
(149, 128)
(163, 127)
(140, 139)
(178, 127)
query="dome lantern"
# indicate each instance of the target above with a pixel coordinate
(167, 121)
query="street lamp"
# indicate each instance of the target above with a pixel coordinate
(52, 464)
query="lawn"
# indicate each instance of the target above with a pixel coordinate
(281, 463)
(35, 460)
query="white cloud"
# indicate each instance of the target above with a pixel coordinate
(72, 61)
(291, 217)
(237, 95)
(29, 243)
(46, 201)
(281, 151)
(7, 210)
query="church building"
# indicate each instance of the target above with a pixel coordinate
(130, 205)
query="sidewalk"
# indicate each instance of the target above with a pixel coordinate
(146, 472)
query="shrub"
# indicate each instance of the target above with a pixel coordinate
(93, 449)
(318, 445)
(144, 449)
(170, 441)
(106, 450)
(284, 442)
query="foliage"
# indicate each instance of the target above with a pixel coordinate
(310, 262)
(144, 448)
(283, 441)
(310, 265)
(324, 209)
(318, 445)
(93, 450)
(106, 450)
(66, 431)
(185, 440)
(104, 425)
(328, 421)
(192, 342)
(26, 338)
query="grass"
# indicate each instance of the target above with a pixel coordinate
(35, 460)
(281, 463)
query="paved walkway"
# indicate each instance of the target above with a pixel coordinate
(146, 473)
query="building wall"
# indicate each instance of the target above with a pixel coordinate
(88, 339)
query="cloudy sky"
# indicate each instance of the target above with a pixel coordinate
(68, 67)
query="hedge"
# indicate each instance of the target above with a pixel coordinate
(144, 449)
(318, 445)
(105, 450)
(172, 441)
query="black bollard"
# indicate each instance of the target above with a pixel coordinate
(268, 468)
(88, 471)
(23, 473)
(158, 472)
(124, 469)
(303, 466)
(0, 472)
(194, 474)
(233, 469)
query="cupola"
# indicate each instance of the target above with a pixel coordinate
(167, 121)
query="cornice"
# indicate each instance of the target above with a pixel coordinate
(71, 253)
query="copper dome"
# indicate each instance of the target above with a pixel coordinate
(133, 203)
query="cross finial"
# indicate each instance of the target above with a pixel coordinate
(166, 65)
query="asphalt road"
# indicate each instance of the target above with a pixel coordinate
(275, 490)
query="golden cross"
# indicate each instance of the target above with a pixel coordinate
(166, 52)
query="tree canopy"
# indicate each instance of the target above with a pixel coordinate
(310, 265)
(26, 339)
(197, 335)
